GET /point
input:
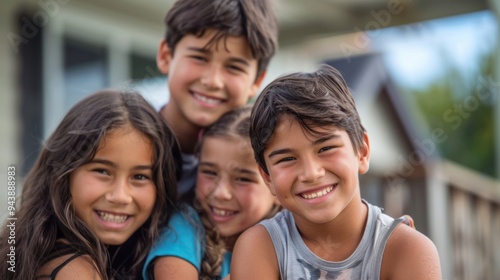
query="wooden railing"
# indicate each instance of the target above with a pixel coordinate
(474, 202)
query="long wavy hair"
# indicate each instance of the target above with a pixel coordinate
(235, 123)
(46, 214)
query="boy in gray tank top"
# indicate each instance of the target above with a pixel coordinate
(311, 147)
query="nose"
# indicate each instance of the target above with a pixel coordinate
(212, 77)
(222, 190)
(312, 170)
(119, 193)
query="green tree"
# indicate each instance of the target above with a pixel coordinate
(464, 108)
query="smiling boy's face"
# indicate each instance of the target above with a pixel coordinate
(314, 176)
(206, 82)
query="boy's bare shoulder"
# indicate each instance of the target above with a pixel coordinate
(254, 256)
(409, 254)
(255, 240)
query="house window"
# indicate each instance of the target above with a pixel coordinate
(147, 79)
(85, 70)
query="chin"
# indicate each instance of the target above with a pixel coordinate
(204, 122)
(113, 241)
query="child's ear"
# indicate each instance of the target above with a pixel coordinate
(267, 180)
(163, 57)
(256, 84)
(364, 155)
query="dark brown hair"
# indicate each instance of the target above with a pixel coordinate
(316, 99)
(252, 19)
(46, 213)
(235, 123)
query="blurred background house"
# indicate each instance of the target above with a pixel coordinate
(425, 75)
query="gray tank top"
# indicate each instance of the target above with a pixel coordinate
(296, 261)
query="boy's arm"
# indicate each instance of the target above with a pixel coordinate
(254, 256)
(410, 255)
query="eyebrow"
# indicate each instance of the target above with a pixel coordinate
(232, 59)
(239, 170)
(326, 138)
(246, 171)
(202, 163)
(112, 164)
(316, 142)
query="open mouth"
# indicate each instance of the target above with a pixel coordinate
(114, 218)
(207, 100)
(318, 193)
(222, 212)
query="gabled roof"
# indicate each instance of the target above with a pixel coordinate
(367, 77)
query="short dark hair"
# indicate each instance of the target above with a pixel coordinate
(252, 19)
(315, 99)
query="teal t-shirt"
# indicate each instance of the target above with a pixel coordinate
(183, 238)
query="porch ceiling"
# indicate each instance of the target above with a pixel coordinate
(305, 19)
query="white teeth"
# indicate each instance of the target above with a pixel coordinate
(206, 99)
(221, 212)
(112, 217)
(318, 193)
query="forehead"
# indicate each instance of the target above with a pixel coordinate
(122, 138)
(214, 42)
(238, 145)
(308, 127)
(290, 130)
(223, 149)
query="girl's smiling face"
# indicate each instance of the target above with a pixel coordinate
(114, 193)
(229, 186)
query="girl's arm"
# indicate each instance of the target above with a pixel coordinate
(410, 255)
(172, 268)
(79, 268)
(254, 256)
(178, 253)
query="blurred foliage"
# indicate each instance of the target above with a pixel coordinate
(463, 106)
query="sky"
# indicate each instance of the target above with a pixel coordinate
(417, 54)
